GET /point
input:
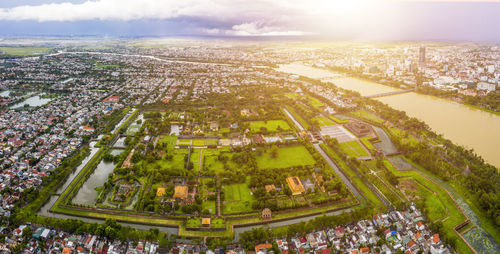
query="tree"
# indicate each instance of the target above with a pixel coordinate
(274, 151)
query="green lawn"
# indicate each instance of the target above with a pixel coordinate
(218, 223)
(177, 163)
(209, 205)
(289, 156)
(170, 141)
(23, 51)
(194, 223)
(270, 125)
(106, 66)
(213, 164)
(292, 95)
(237, 198)
(195, 159)
(323, 121)
(366, 115)
(184, 141)
(367, 143)
(354, 149)
(198, 142)
(337, 120)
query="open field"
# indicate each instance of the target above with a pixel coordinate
(107, 66)
(238, 198)
(323, 121)
(289, 156)
(354, 149)
(367, 143)
(338, 120)
(184, 142)
(366, 115)
(169, 141)
(23, 51)
(205, 142)
(270, 125)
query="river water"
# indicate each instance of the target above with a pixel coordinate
(464, 125)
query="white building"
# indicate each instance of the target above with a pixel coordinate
(486, 86)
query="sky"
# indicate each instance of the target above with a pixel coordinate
(358, 20)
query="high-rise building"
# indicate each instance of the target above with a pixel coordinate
(421, 59)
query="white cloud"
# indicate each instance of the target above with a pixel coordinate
(127, 10)
(230, 17)
(259, 29)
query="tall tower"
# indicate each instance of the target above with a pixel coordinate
(421, 59)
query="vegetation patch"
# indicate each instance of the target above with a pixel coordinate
(323, 121)
(285, 157)
(270, 125)
(354, 149)
(369, 116)
(21, 51)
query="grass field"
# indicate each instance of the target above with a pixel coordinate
(271, 125)
(177, 163)
(107, 66)
(323, 121)
(23, 51)
(292, 95)
(204, 142)
(184, 142)
(366, 115)
(354, 149)
(237, 198)
(209, 205)
(170, 141)
(336, 120)
(367, 143)
(193, 223)
(289, 156)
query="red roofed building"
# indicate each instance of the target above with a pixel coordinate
(435, 238)
(112, 99)
(263, 246)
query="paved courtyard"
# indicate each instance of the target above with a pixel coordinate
(338, 132)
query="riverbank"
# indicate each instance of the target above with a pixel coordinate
(398, 86)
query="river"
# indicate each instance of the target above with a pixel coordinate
(462, 124)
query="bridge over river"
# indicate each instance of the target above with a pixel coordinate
(390, 93)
